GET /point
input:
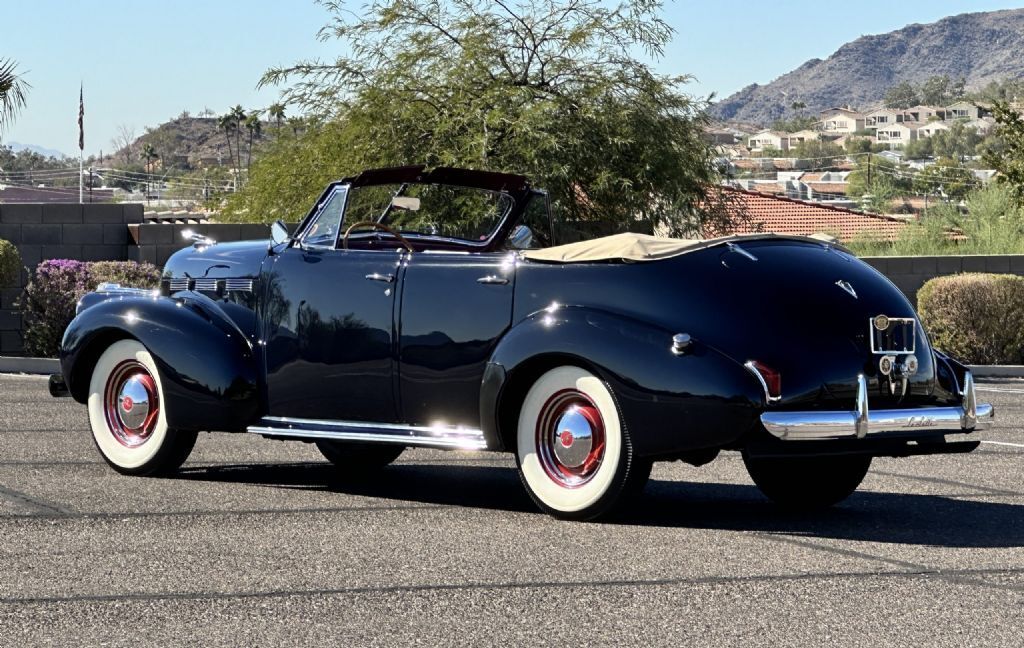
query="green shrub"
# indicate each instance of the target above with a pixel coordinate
(976, 318)
(49, 300)
(10, 263)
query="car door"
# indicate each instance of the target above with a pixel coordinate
(454, 308)
(329, 323)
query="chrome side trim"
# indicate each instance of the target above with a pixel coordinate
(204, 284)
(238, 285)
(436, 436)
(861, 423)
(178, 284)
(211, 284)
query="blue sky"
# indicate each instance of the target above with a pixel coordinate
(143, 62)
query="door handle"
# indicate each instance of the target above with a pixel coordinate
(376, 276)
(492, 279)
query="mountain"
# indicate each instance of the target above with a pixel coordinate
(45, 152)
(188, 142)
(981, 47)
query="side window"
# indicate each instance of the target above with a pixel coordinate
(324, 231)
(536, 219)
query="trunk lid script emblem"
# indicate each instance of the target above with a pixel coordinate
(845, 285)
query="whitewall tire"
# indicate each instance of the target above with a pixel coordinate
(128, 414)
(575, 457)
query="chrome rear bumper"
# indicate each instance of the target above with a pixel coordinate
(860, 423)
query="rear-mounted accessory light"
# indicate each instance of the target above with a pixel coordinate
(771, 380)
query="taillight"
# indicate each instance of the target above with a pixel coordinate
(770, 379)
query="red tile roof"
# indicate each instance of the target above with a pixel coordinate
(828, 187)
(768, 213)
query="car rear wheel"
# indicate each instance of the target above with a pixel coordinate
(807, 483)
(575, 457)
(128, 413)
(358, 458)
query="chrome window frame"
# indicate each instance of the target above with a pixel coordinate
(339, 189)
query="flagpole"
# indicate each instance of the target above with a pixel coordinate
(81, 141)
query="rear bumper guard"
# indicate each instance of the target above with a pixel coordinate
(860, 423)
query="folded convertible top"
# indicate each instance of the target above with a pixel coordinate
(644, 247)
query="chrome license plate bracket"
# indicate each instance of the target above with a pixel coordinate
(899, 337)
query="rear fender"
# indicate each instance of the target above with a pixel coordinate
(206, 364)
(670, 403)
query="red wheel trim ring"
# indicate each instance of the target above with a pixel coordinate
(547, 435)
(121, 374)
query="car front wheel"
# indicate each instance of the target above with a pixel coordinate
(807, 483)
(128, 413)
(575, 457)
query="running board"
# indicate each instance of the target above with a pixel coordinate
(437, 436)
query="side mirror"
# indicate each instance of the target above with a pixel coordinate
(521, 238)
(278, 232)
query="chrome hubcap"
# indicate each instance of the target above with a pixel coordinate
(131, 403)
(575, 438)
(570, 438)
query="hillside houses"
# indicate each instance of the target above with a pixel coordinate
(892, 127)
(774, 140)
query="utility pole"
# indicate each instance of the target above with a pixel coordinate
(869, 171)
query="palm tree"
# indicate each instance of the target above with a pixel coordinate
(12, 92)
(276, 112)
(227, 124)
(150, 155)
(252, 124)
(238, 116)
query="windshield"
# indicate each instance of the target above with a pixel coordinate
(464, 213)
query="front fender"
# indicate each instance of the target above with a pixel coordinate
(670, 403)
(206, 364)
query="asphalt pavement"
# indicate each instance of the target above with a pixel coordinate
(262, 543)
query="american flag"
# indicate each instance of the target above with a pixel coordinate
(81, 120)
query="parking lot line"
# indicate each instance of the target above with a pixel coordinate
(1005, 443)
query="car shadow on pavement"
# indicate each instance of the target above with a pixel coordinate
(905, 518)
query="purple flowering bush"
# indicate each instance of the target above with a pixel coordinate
(48, 302)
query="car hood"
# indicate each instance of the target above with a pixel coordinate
(221, 260)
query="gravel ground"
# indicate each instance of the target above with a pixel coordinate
(259, 542)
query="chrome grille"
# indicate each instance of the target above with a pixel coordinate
(177, 285)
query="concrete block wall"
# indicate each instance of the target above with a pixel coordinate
(910, 273)
(90, 232)
(156, 242)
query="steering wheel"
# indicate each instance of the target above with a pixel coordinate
(380, 226)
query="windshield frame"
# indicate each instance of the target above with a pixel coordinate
(520, 196)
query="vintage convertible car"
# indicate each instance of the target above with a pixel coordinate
(416, 308)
